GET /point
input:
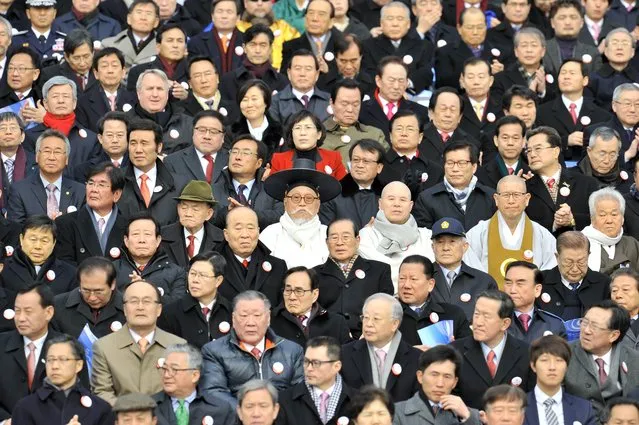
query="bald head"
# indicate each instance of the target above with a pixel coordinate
(245, 213)
(512, 182)
(396, 202)
(511, 198)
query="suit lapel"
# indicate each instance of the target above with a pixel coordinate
(363, 362)
(475, 358)
(40, 193)
(16, 348)
(66, 195)
(87, 231)
(532, 416)
(193, 163)
(537, 187)
(509, 358)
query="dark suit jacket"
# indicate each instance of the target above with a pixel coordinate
(622, 16)
(419, 173)
(9, 97)
(436, 203)
(594, 287)
(357, 372)
(432, 313)
(576, 409)
(202, 406)
(346, 295)
(432, 146)
(29, 197)
(23, 167)
(78, 240)
(320, 323)
(191, 107)
(174, 244)
(65, 70)
(503, 36)
(489, 173)
(231, 82)
(19, 272)
(552, 59)
(297, 406)
(180, 74)
(186, 163)
(541, 208)
(204, 44)
(511, 76)
(475, 379)
(480, 129)
(603, 82)
(540, 324)
(631, 222)
(607, 26)
(371, 113)
(93, 105)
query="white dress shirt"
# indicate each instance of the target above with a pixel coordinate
(498, 350)
(39, 344)
(606, 358)
(579, 102)
(136, 337)
(298, 94)
(197, 242)
(558, 408)
(58, 185)
(203, 162)
(152, 175)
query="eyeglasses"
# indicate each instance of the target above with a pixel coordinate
(96, 292)
(364, 318)
(407, 130)
(112, 136)
(343, 238)
(317, 363)
(461, 164)
(194, 274)
(11, 128)
(296, 199)
(146, 302)
(297, 291)
(627, 105)
(63, 360)
(363, 161)
(603, 155)
(585, 323)
(18, 69)
(243, 152)
(569, 264)
(203, 131)
(57, 153)
(620, 43)
(100, 185)
(517, 196)
(171, 372)
(536, 150)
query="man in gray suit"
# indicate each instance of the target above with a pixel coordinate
(601, 368)
(624, 290)
(434, 404)
(567, 19)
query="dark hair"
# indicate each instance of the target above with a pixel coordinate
(40, 222)
(604, 417)
(337, 220)
(47, 297)
(365, 396)
(504, 392)
(550, 344)
(344, 43)
(582, 65)
(368, 145)
(333, 347)
(107, 51)
(143, 215)
(214, 4)
(429, 269)
(506, 307)
(208, 113)
(388, 60)
(113, 116)
(552, 136)
(115, 175)
(137, 3)
(199, 58)
(214, 258)
(261, 86)
(439, 354)
(92, 264)
(345, 83)
(507, 120)
(403, 114)
(564, 4)
(312, 275)
(538, 277)
(75, 39)
(262, 149)
(76, 347)
(302, 52)
(473, 150)
(517, 91)
(433, 100)
(619, 318)
(572, 239)
(256, 30)
(24, 50)
(145, 125)
(472, 61)
(625, 272)
(506, 1)
(329, 3)
(300, 116)
(168, 27)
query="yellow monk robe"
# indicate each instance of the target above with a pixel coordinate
(499, 257)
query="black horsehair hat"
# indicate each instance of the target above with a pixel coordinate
(303, 173)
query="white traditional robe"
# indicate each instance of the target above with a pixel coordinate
(312, 253)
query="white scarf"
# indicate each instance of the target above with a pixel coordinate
(303, 234)
(461, 196)
(597, 241)
(395, 237)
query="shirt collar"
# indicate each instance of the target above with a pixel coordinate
(39, 343)
(199, 235)
(57, 183)
(261, 128)
(498, 350)
(201, 155)
(5, 157)
(541, 396)
(260, 345)
(152, 173)
(579, 102)
(98, 216)
(298, 94)
(606, 357)
(136, 337)
(38, 33)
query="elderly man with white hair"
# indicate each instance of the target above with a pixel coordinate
(381, 357)
(610, 249)
(510, 234)
(602, 160)
(60, 98)
(299, 238)
(152, 89)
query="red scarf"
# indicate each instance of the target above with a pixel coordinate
(63, 124)
(169, 67)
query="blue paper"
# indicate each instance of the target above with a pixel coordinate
(572, 329)
(17, 107)
(436, 334)
(87, 338)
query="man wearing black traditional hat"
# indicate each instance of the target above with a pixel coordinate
(299, 238)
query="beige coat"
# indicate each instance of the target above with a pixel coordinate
(124, 44)
(119, 367)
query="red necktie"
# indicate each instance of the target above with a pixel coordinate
(490, 361)
(31, 361)
(245, 263)
(256, 352)
(550, 183)
(209, 168)
(190, 250)
(144, 190)
(301, 319)
(389, 110)
(445, 136)
(573, 112)
(511, 171)
(603, 376)
(140, 269)
(524, 318)
(205, 312)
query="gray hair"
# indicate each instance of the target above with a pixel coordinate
(605, 194)
(194, 356)
(153, 71)
(53, 133)
(4, 21)
(621, 88)
(530, 31)
(256, 385)
(395, 4)
(605, 134)
(397, 312)
(513, 179)
(620, 30)
(59, 80)
(251, 295)
(12, 116)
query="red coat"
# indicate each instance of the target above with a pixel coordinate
(331, 162)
